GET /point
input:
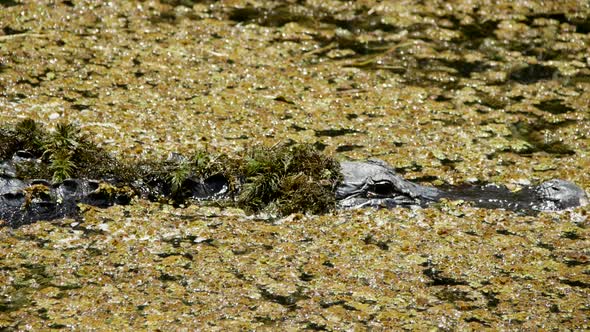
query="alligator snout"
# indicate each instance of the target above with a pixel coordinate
(559, 194)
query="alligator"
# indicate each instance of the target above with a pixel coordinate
(371, 183)
(375, 183)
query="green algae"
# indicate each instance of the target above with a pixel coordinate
(26, 135)
(218, 268)
(184, 79)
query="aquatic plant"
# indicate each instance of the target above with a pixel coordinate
(288, 178)
(281, 179)
(25, 135)
(61, 165)
(30, 135)
(179, 174)
(171, 179)
(65, 137)
(303, 193)
(64, 152)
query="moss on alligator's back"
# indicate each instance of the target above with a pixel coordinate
(281, 179)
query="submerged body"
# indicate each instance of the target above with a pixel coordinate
(364, 184)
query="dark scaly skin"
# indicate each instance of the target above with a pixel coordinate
(365, 184)
(40, 200)
(374, 183)
(24, 202)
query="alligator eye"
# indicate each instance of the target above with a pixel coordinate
(383, 188)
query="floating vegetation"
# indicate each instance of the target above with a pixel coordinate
(536, 139)
(287, 179)
(26, 135)
(281, 179)
(533, 73)
(188, 75)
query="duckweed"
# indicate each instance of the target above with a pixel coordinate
(419, 82)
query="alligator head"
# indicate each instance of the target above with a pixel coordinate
(558, 194)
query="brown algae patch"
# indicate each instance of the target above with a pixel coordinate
(156, 266)
(444, 92)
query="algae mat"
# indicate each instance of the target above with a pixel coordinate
(448, 93)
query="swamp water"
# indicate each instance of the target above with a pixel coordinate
(447, 93)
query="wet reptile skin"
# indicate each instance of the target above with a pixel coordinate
(371, 183)
(374, 183)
